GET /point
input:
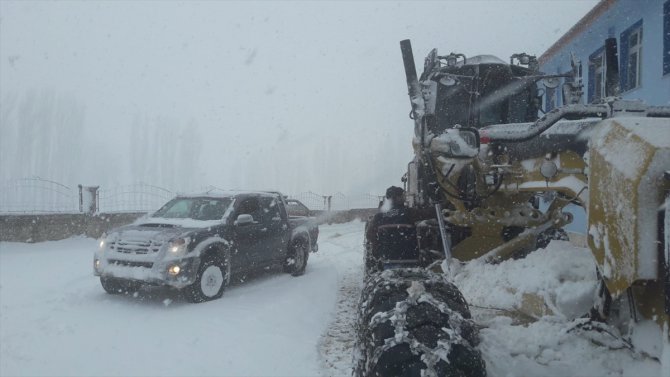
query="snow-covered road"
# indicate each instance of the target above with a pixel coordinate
(55, 319)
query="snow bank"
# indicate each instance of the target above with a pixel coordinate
(552, 288)
(562, 275)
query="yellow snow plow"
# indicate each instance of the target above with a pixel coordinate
(498, 179)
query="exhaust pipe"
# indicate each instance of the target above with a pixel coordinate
(413, 87)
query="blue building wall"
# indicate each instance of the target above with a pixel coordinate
(620, 15)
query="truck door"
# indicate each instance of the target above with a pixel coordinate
(274, 233)
(246, 240)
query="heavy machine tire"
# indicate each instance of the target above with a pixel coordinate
(210, 281)
(115, 286)
(296, 262)
(371, 263)
(412, 322)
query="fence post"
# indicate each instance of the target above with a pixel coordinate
(326, 201)
(88, 199)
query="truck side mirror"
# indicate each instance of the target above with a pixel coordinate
(244, 219)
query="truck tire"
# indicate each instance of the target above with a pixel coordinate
(210, 281)
(116, 286)
(411, 322)
(296, 262)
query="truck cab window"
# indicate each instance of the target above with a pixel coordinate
(270, 211)
(250, 206)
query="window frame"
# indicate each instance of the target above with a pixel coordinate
(598, 56)
(625, 56)
(666, 38)
(550, 99)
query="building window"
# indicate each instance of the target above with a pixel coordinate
(634, 57)
(631, 57)
(597, 69)
(666, 38)
(550, 99)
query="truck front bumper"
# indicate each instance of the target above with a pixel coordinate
(177, 273)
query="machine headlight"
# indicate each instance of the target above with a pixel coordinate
(178, 246)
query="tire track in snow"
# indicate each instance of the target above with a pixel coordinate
(336, 343)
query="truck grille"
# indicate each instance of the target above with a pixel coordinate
(130, 264)
(135, 246)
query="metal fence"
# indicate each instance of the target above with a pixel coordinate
(37, 195)
(337, 201)
(139, 197)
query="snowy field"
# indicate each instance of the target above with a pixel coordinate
(55, 319)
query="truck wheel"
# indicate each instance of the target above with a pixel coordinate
(116, 286)
(210, 281)
(411, 322)
(296, 262)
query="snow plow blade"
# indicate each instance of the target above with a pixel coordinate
(629, 157)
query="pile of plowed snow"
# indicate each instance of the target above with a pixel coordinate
(530, 310)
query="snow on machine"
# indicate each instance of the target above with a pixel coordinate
(483, 159)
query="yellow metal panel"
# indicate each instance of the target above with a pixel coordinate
(623, 161)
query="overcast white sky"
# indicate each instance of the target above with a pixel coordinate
(295, 96)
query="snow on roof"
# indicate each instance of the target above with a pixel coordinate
(483, 59)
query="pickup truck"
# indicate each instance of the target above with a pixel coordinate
(196, 243)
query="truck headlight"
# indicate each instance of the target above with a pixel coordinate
(102, 242)
(178, 246)
(174, 270)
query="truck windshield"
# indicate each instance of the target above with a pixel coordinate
(195, 208)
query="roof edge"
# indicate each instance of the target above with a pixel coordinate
(576, 29)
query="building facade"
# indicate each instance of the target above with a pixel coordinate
(642, 31)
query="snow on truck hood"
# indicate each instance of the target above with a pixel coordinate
(159, 229)
(183, 223)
